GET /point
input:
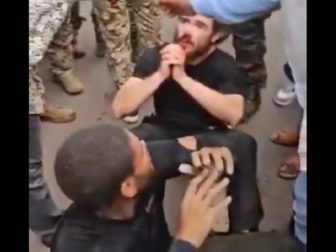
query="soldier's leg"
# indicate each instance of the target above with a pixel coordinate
(62, 61)
(114, 21)
(43, 213)
(147, 15)
(47, 111)
(100, 43)
(76, 21)
(134, 30)
(249, 44)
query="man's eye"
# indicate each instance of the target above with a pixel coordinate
(200, 25)
(183, 20)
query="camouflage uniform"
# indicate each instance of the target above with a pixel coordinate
(249, 45)
(45, 17)
(76, 21)
(61, 56)
(60, 49)
(128, 28)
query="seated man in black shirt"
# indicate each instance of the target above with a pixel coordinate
(111, 176)
(198, 91)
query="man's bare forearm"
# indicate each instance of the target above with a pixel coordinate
(227, 108)
(133, 93)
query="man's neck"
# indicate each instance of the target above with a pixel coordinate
(120, 210)
(202, 57)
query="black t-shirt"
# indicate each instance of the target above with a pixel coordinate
(175, 106)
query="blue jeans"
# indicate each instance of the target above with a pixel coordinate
(43, 213)
(300, 207)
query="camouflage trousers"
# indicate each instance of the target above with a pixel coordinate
(128, 28)
(60, 49)
(250, 49)
(76, 20)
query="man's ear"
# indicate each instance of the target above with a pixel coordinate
(216, 38)
(129, 188)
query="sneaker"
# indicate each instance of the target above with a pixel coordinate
(285, 96)
(131, 118)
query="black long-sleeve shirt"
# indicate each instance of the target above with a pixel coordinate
(83, 230)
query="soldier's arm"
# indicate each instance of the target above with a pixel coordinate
(140, 86)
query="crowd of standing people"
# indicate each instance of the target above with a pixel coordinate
(200, 93)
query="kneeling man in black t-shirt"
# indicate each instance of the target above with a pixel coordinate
(198, 91)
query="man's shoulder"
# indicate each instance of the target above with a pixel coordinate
(221, 58)
(152, 52)
(147, 63)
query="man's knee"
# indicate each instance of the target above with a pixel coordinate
(149, 132)
(236, 141)
(244, 141)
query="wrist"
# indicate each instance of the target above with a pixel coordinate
(189, 238)
(157, 78)
(181, 78)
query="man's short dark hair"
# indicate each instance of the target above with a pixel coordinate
(92, 163)
(222, 29)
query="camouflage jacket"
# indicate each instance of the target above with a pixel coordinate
(45, 18)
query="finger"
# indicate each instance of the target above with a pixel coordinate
(205, 156)
(166, 57)
(220, 206)
(167, 48)
(196, 159)
(229, 163)
(207, 184)
(218, 161)
(174, 62)
(215, 191)
(193, 186)
(171, 56)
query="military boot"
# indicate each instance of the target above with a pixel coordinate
(252, 103)
(78, 54)
(70, 82)
(100, 49)
(57, 114)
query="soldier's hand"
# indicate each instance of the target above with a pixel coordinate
(217, 157)
(199, 210)
(176, 7)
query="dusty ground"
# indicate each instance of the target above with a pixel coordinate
(91, 108)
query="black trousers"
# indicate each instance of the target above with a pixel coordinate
(245, 209)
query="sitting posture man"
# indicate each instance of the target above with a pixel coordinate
(113, 179)
(196, 86)
(198, 91)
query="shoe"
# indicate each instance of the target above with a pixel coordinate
(285, 96)
(131, 118)
(47, 239)
(70, 82)
(100, 50)
(78, 54)
(57, 114)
